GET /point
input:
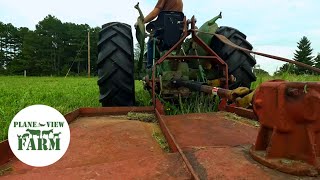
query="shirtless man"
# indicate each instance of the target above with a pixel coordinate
(162, 5)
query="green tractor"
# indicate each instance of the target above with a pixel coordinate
(200, 59)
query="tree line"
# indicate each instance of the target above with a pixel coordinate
(54, 47)
(51, 49)
(302, 54)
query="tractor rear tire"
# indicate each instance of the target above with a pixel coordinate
(115, 65)
(239, 62)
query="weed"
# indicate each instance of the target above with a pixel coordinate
(158, 136)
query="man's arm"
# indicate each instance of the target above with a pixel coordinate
(153, 14)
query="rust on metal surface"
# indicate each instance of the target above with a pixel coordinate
(113, 110)
(243, 112)
(290, 123)
(159, 107)
(173, 144)
(297, 168)
(5, 152)
(151, 167)
(212, 162)
(71, 116)
(210, 129)
(108, 147)
(166, 133)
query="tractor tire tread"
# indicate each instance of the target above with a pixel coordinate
(115, 65)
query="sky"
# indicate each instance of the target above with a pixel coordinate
(271, 26)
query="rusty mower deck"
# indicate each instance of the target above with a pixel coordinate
(106, 145)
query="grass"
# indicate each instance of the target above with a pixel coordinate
(236, 118)
(156, 131)
(201, 103)
(284, 76)
(149, 118)
(159, 137)
(64, 94)
(67, 94)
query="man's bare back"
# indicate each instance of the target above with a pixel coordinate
(164, 5)
(170, 5)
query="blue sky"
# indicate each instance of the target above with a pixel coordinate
(272, 26)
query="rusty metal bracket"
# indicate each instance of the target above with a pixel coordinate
(171, 140)
(186, 32)
(289, 135)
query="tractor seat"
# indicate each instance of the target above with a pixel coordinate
(167, 28)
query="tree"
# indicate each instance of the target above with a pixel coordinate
(258, 71)
(303, 54)
(286, 68)
(317, 61)
(9, 46)
(20, 62)
(261, 72)
(51, 49)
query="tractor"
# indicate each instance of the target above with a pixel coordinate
(216, 61)
(282, 131)
(202, 59)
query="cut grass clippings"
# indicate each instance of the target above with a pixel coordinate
(159, 137)
(144, 117)
(156, 133)
(234, 117)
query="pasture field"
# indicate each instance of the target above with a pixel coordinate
(64, 94)
(67, 94)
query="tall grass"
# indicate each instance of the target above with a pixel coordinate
(196, 103)
(285, 76)
(64, 94)
(143, 97)
(68, 94)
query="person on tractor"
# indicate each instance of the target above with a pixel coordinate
(162, 5)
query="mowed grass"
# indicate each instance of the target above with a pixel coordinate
(64, 94)
(68, 94)
(285, 76)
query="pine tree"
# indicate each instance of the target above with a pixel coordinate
(303, 54)
(317, 61)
